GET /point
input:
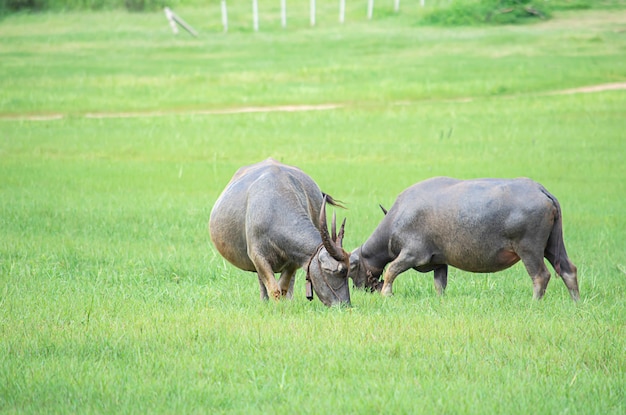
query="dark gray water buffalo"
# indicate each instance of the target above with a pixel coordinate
(483, 225)
(272, 218)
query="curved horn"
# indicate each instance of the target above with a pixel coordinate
(336, 252)
(333, 227)
(339, 239)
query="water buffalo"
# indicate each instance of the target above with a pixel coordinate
(271, 218)
(483, 225)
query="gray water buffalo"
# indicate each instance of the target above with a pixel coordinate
(271, 218)
(483, 225)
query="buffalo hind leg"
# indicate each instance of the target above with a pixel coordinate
(262, 289)
(538, 272)
(441, 279)
(540, 282)
(571, 281)
(567, 271)
(266, 277)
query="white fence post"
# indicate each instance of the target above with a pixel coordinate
(224, 16)
(170, 18)
(370, 9)
(255, 15)
(175, 20)
(342, 11)
(312, 12)
(283, 13)
(396, 5)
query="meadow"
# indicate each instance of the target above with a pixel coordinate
(113, 149)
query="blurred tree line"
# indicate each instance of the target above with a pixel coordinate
(438, 12)
(472, 12)
(66, 5)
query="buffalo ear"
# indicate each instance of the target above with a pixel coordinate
(354, 260)
(330, 264)
(383, 209)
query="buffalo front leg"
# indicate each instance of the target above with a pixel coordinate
(396, 267)
(441, 279)
(286, 283)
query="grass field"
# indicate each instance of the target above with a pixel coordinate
(112, 299)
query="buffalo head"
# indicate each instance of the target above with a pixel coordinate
(328, 268)
(363, 274)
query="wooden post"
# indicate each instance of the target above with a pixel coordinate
(224, 16)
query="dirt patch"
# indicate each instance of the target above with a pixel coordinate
(241, 110)
(30, 117)
(281, 108)
(591, 89)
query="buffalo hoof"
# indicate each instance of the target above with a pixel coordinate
(386, 291)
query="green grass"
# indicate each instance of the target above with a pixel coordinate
(74, 63)
(112, 299)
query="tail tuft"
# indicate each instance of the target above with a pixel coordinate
(332, 201)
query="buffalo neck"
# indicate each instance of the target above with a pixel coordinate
(309, 242)
(375, 250)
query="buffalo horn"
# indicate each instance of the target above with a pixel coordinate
(339, 239)
(336, 252)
